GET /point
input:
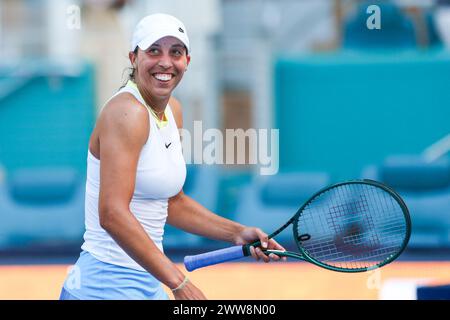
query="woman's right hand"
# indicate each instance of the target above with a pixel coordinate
(189, 292)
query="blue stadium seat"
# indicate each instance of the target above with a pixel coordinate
(425, 187)
(42, 207)
(269, 201)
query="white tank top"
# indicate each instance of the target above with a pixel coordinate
(161, 173)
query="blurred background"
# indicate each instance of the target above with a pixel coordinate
(350, 100)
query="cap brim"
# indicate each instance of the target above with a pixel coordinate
(145, 43)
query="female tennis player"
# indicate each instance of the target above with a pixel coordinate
(135, 175)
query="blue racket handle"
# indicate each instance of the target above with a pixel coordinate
(213, 257)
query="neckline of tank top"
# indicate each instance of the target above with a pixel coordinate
(159, 123)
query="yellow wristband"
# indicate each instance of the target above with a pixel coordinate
(182, 285)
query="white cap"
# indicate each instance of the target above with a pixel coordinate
(156, 26)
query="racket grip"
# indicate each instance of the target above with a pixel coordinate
(213, 257)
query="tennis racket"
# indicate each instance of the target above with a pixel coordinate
(352, 226)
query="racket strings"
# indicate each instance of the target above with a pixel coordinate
(352, 226)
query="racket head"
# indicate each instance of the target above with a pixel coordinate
(352, 226)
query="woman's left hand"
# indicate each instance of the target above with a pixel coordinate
(251, 234)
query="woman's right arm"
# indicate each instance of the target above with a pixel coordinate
(123, 130)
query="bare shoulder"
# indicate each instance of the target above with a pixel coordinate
(124, 115)
(177, 111)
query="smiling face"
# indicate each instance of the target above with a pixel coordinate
(160, 67)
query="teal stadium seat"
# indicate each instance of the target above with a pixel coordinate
(397, 30)
(47, 112)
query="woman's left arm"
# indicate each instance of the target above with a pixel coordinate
(187, 214)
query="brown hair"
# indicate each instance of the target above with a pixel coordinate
(131, 72)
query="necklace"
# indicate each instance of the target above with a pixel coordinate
(159, 122)
(156, 113)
